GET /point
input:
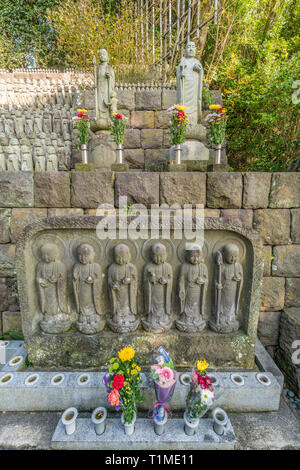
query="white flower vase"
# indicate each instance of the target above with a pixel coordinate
(190, 425)
(84, 154)
(178, 154)
(69, 420)
(218, 154)
(99, 422)
(220, 420)
(119, 154)
(129, 427)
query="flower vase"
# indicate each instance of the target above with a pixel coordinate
(119, 154)
(84, 154)
(178, 154)
(129, 427)
(190, 424)
(68, 419)
(218, 154)
(99, 420)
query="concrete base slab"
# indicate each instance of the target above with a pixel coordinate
(8, 350)
(144, 437)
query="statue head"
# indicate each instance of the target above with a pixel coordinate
(103, 55)
(190, 50)
(194, 254)
(159, 253)
(85, 253)
(122, 254)
(231, 253)
(49, 252)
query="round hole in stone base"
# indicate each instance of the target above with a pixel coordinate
(32, 379)
(57, 379)
(237, 379)
(263, 379)
(6, 379)
(185, 378)
(83, 379)
(15, 361)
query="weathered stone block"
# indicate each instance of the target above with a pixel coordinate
(267, 260)
(64, 212)
(126, 99)
(289, 334)
(135, 158)
(162, 120)
(166, 139)
(256, 190)
(182, 188)
(5, 218)
(12, 294)
(285, 190)
(22, 217)
(273, 225)
(224, 190)
(152, 138)
(16, 189)
(12, 321)
(268, 328)
(132, 139)
(286, 261)
(102, 150)
(245, 216)
(211, 213)
(3, 296)
(156, 160)
(292, 292)
(168, 98)
(7, 260)
(142, 119)
(272, 294)
(52, 189)
(89, 99)
(148, 99)
(295, 234)
(140, 188)
(91, 188)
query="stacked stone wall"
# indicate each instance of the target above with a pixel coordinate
(269, 203)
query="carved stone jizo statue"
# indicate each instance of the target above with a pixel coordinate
(189, 84)
(158, 280)
(51, 280)
(105, 96)
(87, 281)
(122, 286)
(228, 283)
(193, 280)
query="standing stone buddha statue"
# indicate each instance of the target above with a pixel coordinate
(104, 92)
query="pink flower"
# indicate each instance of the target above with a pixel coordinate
(114, 398)
(166, 375)
(157, 369)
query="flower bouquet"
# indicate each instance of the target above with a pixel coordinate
(179, 124)
(164, 378)
(117, 130)
(217, 124)
(200, 398)
(123, 386)
(82, 124)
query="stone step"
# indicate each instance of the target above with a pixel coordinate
(144, 437)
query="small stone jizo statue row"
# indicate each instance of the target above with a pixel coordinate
(51, 279)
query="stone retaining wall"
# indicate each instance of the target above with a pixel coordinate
(36, 110)
(267, 202)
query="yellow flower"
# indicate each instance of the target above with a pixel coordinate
(127, 353)
(134, 371)
(215, 106)
(180, 108)
(202, 365)
(82, 111)
(138, 368)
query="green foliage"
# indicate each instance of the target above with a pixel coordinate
(118, 127)
(12, 335)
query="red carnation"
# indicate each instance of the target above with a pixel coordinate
(202, 382)
(80, 115)
(119, 116)
(118, 382)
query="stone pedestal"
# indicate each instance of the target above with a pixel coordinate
(120, 167)
(218, 167)
(177, 166)
(102, 150)
(191, 150)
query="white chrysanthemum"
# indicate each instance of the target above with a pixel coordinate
(207, 397)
